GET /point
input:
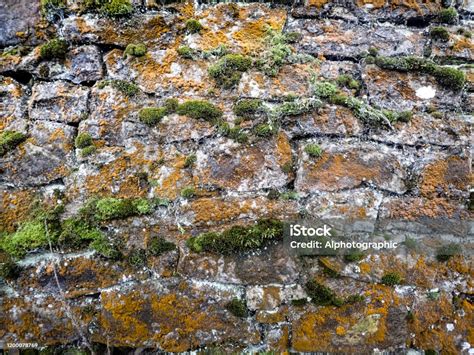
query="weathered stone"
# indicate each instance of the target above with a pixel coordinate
(18, 20)
(58, 101)
(343, 167)
(13, 107)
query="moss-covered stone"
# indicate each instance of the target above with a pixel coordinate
(76, 233)
(106, 248)
(322, 295)
(190, 160)
(193, 26)
(348, 81)
(237, 238)
(152, 115)
(117, 8)
(313, 150)
(55, 48)
(125, 87)
(87, 151)
(137, 258)
(391, 279)
(188, 192)
(9, 140)
(448, 16)
(447, 251)
(237, 307)
(439, 33)
(9, 269)
(247, 108)
(114, 208)
(199, 109)
(186, 52)
(83, 140)
(136, 50)
(158, 246)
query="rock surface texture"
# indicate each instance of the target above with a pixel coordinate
(130, 129)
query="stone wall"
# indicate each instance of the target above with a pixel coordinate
(391, 138)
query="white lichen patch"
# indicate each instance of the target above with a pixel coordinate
(426, 92)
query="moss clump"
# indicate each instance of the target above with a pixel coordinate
(83, 140)
(188, 192)
(117, 8)
(313, 150)
(190, 160)
(186, 52)
(89, 150)
(439, 33)
(106, 248)
(9, 270)
(76, 232)
(354, 256)
(277, 52)
(55, 48)
(51, 7)
(127, 88)
(352, 299)
(348, 81)
(324, 89)
(137, 258)
(448, 16)
(152, 115)
(299, 302)
(171, 105)
(237, 307)
(115, 208)
(321, 295)
(236, 133)
(159, 246)
(136, 50)
(448, 77)
(265, 130)
(193, 26)
(228, 69)
(247, 108)
(391, 279)
(446, 252)
(9, 140)
(237, 238)
(198, 109)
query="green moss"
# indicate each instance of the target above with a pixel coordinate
(188, 192)
(136, 50)
(190, 160)
(137, 258)
(83, 140)
(313, 150)
(171, 105)
(299, 302)
(237, 238)
(55, 48)
(193, 26)
(237, 307)
(324, 89)
(236, 133)
(277, 52)
(352, 299)
(448, 16)
(228, 69)
(186, 52)
(158, 246)
(464, 32)
(265, 130)
(348, 81)
(117, 8)
(152, 115)
(9, 269)
(52, 7)
(447, 251)
(9, 140)
(448, 77)
(289, 195)
(29, 236)
(127, 88)
(391, 279)
(198, 109)
(321, 295)
(439, 33)
(89, 150)
(76, 232)
(106, 248)
(354, 256)
(115, 208)
(404, 116)
(247, 108)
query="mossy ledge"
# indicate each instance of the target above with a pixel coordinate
(238, 238)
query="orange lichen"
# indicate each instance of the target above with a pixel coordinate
(317, 3)
(15, 208)
(283, 150)
(443, 174)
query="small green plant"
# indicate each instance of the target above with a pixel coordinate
(348, 81)
(76, 232)
(89, 150)
(109, 208)
(190, 160)
(117, 8)
(228, 69)
(9, 140)
(313, 150)
(439, 33)
(322, 295)
(198, 109)
(324, 89)
(158, 246)
(391, 279)
(83, 140)
(152, 115)
(448, 16)
(137, 258)
(127, 88)
(264, 130)
(55, 48)
(354, 255)
(193, 26)
(352, 299)
(237, 307)
(186, 52)
(106, 248)
(247, 108)
(237, 238)
(299, 302)
(447, 251)
(135, 50)
(277, 52)
(188, 192)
